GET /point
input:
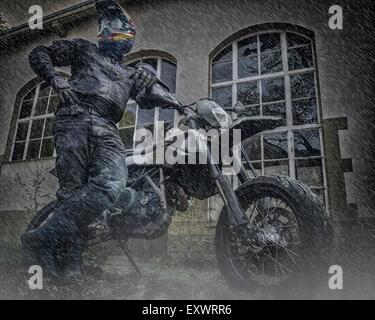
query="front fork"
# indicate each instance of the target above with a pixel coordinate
(237, 218)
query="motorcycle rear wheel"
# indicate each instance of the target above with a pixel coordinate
(260, 268)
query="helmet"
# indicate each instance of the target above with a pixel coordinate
(116, 31)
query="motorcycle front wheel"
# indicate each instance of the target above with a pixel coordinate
(291, 255)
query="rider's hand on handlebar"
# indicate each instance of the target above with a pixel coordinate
(182, 110)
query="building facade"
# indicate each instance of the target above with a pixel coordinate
(279, 57)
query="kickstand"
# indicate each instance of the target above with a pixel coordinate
(125, 248)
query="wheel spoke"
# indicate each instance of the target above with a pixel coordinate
(274, 263)
(276, 266)
(255, 209)
(268, 214)
(288, 226)
(280, 264)
(287, 252)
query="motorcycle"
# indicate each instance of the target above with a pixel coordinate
(271, 231)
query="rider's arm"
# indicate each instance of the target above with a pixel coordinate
(148, 92)
(154, 94)
(43, 59)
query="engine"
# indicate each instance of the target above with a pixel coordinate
(148, 217)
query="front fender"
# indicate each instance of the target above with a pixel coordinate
(251, 126)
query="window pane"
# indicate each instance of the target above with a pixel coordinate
(127, 136)
(307, 143)
(271, 62)
(310, 171)
(294, 39)
(18, 151)
(248, 47)
(22, 131)
(41, 106)
(33, 149)
(248, 92)
(273, 90)
(302, 85)
(253, 148)
(166, 115)
(247, 67)
(224, 55)
(257, 167)
(252, 111)
(305, 112)
(145, 116)
(36, 129)
(269, 42)
(248, 57)
(128, 119)
(276, 168)
(44, 90)
(222, 66)
(30, 95)
(277, 109)
(26, 109)
(53, 103)
(221, 71)
(47, 148)
(275, 145)
(168, 75)
(152, 62)
(48, 127)
(223, 96)
(300, 58)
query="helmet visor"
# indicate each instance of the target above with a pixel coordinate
(115, 30)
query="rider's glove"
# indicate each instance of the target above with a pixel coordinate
(64, 90)
(144, 78)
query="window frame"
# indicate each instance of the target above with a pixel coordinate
(30, 119)
(286, 74)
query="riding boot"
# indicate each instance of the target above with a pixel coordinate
(39, 253)
(48, 238)
(71, 261)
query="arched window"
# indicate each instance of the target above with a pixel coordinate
(33, 137)
(274, 73)
(135, 117)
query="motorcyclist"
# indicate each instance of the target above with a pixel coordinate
(90, 160)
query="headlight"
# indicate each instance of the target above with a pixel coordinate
(222, 117)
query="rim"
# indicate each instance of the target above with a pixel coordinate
(272, 259)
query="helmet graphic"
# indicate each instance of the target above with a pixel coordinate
(116, 31)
